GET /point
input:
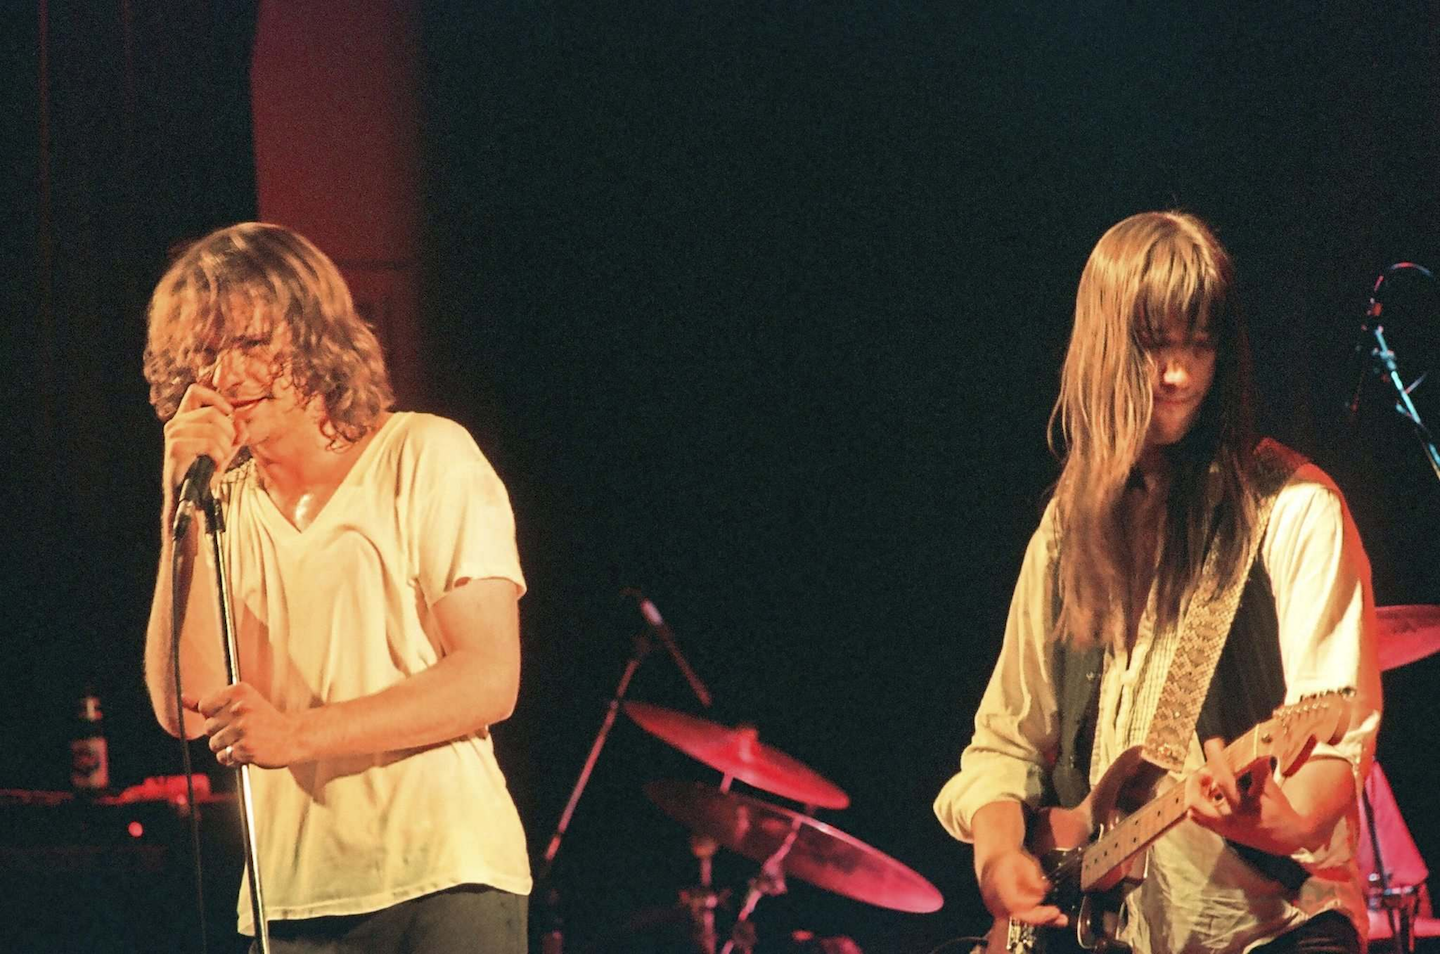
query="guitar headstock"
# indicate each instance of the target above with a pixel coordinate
(1291, 733)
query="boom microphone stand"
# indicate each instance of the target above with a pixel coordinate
(1382, 364)
(553, 941)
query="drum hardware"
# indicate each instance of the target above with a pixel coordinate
(769, 882)
(702, 900)
(785, 842)
(1418, 927)
(737, 753)
(1406, 634)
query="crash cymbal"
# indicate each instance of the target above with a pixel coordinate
(821, 854)
(738, 752)
(1407, 633)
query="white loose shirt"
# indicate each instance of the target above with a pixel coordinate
(1199, 895)
(340, 610)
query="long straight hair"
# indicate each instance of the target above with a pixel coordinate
(1149, 273)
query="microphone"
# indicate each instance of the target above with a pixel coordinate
(194, 492)
(667, 639)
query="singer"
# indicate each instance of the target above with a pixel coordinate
(375, 581)
(1164, 500)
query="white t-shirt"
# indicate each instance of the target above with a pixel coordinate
(1199, 895)
(341, 610)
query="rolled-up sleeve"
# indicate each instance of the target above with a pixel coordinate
(1325, 608)
(1017, 724)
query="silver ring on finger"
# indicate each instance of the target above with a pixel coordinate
(229, 752)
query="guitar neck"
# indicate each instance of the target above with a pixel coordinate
(1138, 830)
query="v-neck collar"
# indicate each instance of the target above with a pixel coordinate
(277, 516)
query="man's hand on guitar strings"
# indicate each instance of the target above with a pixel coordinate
(1014, 886)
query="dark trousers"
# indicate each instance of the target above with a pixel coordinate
(468, 919)
(1328, 933)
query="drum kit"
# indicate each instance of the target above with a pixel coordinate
(785, 843)
(1395, 874)
(788, 843)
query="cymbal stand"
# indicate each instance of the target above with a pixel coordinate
(1394, 901)
(769, 880)
(215, 529)
(703, 899)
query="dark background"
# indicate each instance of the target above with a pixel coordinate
(759, 307)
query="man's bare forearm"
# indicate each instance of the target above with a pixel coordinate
(460, 694)
(199, 668)
(999, 827)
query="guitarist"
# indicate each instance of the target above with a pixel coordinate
(1164, 494)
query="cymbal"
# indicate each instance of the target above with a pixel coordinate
(1407, 633)
(821, 854)
(738, 752)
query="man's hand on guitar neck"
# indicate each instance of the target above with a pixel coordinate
(1263, 815)
(1011, 880)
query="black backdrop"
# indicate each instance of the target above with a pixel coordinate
(758, 307)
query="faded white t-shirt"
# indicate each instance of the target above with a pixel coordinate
(1199, 895)
(342, 610)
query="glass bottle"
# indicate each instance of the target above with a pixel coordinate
(89, 756)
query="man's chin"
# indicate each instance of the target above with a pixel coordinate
(1165, 436)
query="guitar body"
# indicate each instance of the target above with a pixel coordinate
(1094, 854)
(1058, 838)
(1093, 926)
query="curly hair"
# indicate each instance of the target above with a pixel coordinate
(205, 300)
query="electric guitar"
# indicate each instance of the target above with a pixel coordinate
(1094, 854)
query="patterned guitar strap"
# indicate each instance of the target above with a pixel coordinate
(1207, 621)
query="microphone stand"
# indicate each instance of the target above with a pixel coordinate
(215, 529)
(1383, 364)
(553, 942)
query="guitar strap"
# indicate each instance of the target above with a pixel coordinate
(1208, 620)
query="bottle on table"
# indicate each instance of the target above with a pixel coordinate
(89, 756)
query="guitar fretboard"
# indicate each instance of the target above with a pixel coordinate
(1131, 836)
(1286, 732)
